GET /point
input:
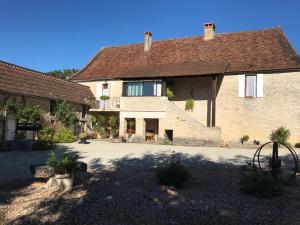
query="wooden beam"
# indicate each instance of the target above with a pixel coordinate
(213, 100)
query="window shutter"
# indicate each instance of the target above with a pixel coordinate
(158, 89)
(241, 86)
(260, 85)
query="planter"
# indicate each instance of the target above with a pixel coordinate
(65, 181)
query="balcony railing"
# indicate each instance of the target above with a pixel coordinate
(112, 104)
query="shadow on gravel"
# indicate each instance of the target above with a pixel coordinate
(15, 173)
(130, 195)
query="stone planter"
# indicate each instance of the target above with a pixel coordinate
(65, 181)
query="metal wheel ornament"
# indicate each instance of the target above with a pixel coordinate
(284, 168)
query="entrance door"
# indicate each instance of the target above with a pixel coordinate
(151, 129)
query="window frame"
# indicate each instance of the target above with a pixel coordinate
(155, 93)
(245, 91)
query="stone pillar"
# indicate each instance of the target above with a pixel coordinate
(122, 127)
(140, 129)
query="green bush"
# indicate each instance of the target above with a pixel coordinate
(280, 135)
(63, 135)
(189, 105)
(166, 142)
(170, 94)
(29, 114)
(297, 145)
(104, 97)
(46, 134)
(65, 114)
(261, 185)
(244, 138)
(42, 145)
(113, 124)
(174, 174)
(67, 164)
(101, 125)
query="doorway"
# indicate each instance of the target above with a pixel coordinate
(151, 130)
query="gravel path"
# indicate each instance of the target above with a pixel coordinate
(125, 192)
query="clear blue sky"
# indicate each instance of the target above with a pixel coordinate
(57, 34)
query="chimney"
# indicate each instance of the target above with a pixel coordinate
(209, 31)
(147, 41)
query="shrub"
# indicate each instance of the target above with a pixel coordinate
(93, 120)
(261, 185)
(100, 126)
(297, 145)
(104, 97)
(65, 114)
(166, 142)
(46, 134)
(67, 164)
(113, 124)
(280, 135)
(189, 105)
(174, 174)
(244, 139)
(42, 145)
(29, 114)
(170, 94)
(63, 135)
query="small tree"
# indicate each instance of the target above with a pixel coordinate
(281, 134)
(29, 114)
(65, 114)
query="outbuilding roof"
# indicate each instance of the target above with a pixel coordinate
(23, 81)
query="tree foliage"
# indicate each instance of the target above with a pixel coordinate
(62, 74)
(65, 114)
(29, 114)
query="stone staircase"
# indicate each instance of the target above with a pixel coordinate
(187, 130)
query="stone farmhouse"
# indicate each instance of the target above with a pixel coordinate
(225, 85)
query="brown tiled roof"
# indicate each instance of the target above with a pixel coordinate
(179, 69)
(249, 51)
(23, 81)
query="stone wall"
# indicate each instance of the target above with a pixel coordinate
(186, 129)
(257, 117)
(236, 116)
(20, 101)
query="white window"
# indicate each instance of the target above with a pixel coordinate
(251, 85)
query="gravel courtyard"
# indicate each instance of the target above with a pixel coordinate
(120, 188)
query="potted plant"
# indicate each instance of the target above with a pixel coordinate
(82, 137)
(189, 105)
(64, 169)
